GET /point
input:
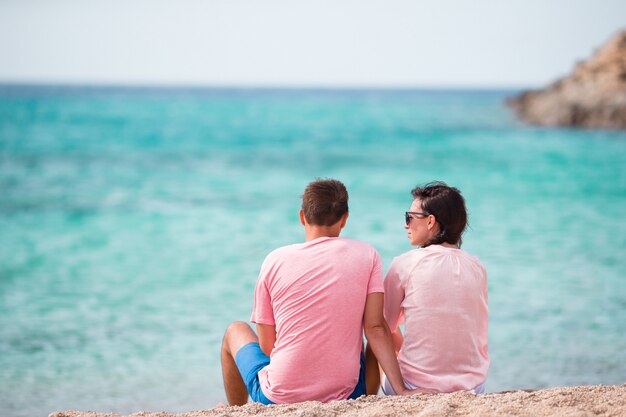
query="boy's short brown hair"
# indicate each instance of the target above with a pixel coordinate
(324, 202)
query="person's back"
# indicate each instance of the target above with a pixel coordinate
(314, 293)
(444, 304)
(312, 303)
(440, 293)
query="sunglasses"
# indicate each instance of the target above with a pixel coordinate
(407, 215)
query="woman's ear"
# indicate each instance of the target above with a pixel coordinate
(432, 222)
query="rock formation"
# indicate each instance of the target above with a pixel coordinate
(593, 96)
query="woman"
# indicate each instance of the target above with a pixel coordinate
(439, 292)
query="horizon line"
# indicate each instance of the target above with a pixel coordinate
(262, 86)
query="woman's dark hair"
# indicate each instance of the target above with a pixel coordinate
(448, 206)
(324, 202)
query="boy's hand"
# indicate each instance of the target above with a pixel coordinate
(407, 391)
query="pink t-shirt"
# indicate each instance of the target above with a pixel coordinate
(314, 292)
(441, 294)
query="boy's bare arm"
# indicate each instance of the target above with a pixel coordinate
(267, 337)
(378, 337)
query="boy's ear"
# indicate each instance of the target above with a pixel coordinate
(302, 218)
(344, 219)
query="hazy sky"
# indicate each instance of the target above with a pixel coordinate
(444, 43)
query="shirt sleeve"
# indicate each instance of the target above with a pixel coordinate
(375, 283)
(394, 296)
(484, 275)
(262, 312)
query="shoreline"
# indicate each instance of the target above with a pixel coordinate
(596, 400)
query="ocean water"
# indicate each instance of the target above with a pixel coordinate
(133, 223)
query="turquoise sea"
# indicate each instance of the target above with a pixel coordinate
(133, 222)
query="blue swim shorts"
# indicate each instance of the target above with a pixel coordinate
(250, 360)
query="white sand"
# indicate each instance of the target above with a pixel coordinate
(568, 401)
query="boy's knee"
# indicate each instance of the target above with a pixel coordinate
(236, 330)
(233, 328)
(237, 334)
(237, 327)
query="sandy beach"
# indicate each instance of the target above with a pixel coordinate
(566, 401)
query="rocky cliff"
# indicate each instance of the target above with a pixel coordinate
(593, 96)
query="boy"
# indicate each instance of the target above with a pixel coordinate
(311, 304)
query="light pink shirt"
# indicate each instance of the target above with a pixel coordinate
(441, 294)
(315, 292)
